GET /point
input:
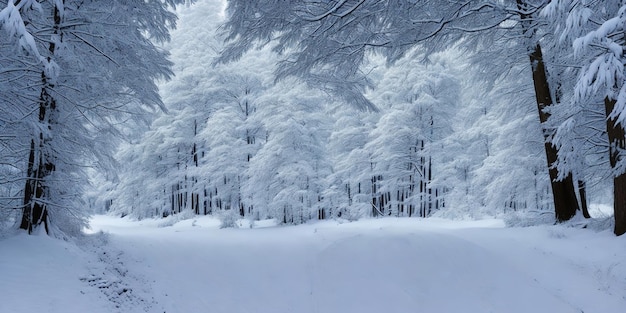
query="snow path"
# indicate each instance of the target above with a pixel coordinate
(388, 265)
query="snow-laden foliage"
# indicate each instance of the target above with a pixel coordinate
(604, 74)
(286, 177)
(417, 102)
(194, 156)
(512, 176)
(578, 120)
(237, 144)
(74, 72)
(349, 191)
(265, 133)
(248, 157)
(325, 42)
(590, 117)
(454, 134)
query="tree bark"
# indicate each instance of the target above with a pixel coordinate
(582, 192)
(563, 192)
(40, 161)
(40, 166)
(34, 213)
(617, 143)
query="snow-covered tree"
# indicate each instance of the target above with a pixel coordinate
(287, 175)
(325, 43)
(201, 149)
(232, 136)
(89, 66)
(564, 193)
(417, 103)
(595, 31)
(510, 176)
(349, 192)
(605, 76)
(186, 143)
(467, 147)
(158, 169)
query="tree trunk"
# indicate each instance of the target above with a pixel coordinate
(40, 166)
(563, 192)
(583, 198)
(619, 204)
(617, 143)
(40, 161)
(34, 212)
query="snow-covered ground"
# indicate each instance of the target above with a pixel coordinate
(379, 265)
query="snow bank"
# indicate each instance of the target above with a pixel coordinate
(41, 274)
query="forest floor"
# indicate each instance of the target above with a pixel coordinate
(378, 265)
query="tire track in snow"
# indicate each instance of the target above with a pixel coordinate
(126, 291)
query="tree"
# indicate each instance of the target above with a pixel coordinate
(196, 155)
(286, 176)
(565, 201)
(417, 103)
(510, 177)
(233, 135)
(471, 142)
(349, 192)
(89, 66)
(157, 170)
(326, 42)
(11, 128)
(601, 80)
(605, 76)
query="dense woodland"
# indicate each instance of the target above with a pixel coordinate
(303, 110)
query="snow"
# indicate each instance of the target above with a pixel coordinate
(375, 265)
(600, 210)
(40, 274)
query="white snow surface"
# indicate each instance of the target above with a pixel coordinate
(377, 265)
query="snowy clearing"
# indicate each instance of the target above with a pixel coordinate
(378, 265)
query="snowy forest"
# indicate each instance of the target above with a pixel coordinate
(310, 110)
(237, 156)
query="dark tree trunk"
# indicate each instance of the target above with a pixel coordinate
(40, 161)
(34, 212)
(617, 140)
(563, 191)
(564, 194)
(583, 198)
(40, 166)
(619, 204)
